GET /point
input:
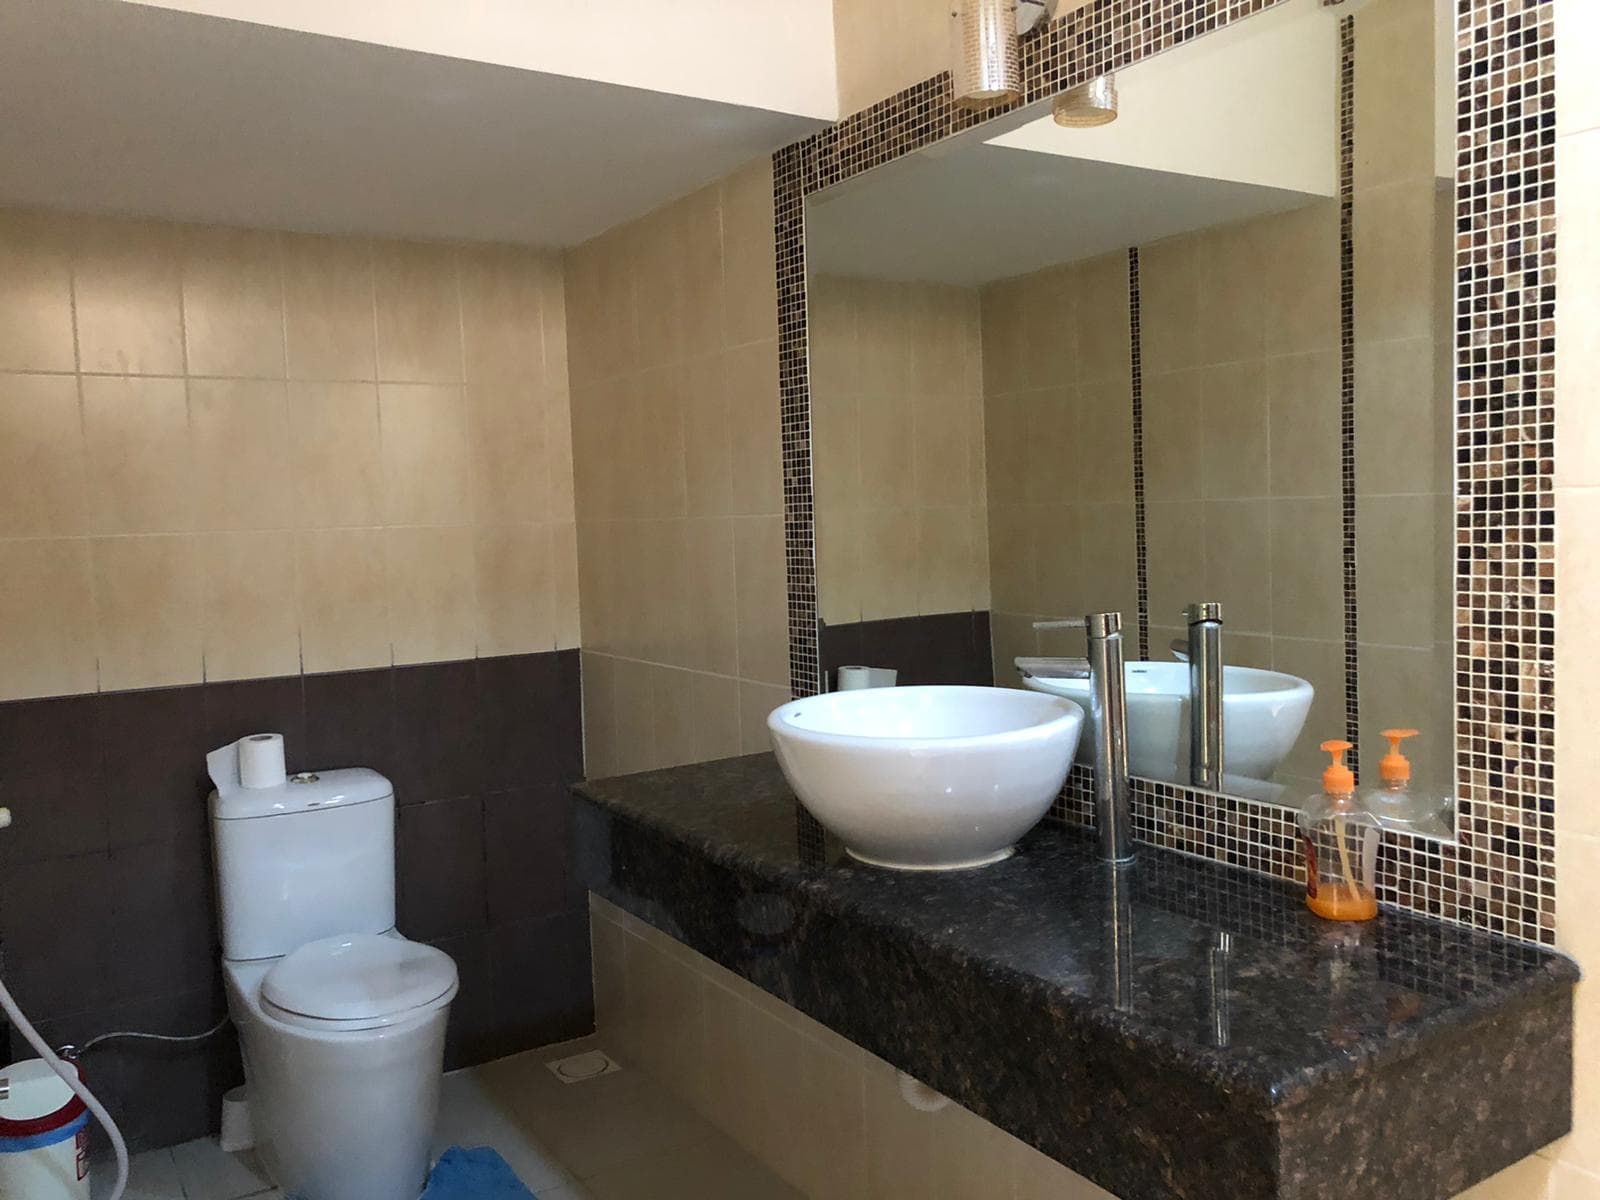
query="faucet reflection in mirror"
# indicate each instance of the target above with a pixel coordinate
(1104, 673)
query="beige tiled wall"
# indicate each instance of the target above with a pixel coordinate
(233, 453)
(762, 1070)
(673, 340)
(897, 449)
(1405, 429)
(1057, 384)
(1239, 330)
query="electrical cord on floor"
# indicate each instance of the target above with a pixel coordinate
(79, 1051)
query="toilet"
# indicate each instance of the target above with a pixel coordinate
(340, 1018)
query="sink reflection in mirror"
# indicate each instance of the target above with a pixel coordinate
(1264, 713)
(1174, 358)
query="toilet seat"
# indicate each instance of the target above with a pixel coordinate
(358, 981)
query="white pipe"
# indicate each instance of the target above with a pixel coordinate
(70, 1078)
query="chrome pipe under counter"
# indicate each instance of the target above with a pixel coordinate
(1174, 1028)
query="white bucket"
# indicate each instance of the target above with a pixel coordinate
(44, 1136)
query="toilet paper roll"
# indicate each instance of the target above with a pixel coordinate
(853, 678)
(261, 760)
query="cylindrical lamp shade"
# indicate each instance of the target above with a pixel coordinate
(983, 53)
(1088, 104)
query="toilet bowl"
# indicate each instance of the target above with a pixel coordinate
(341, 1019)
(343, 1062)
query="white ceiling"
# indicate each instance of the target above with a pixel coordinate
(114, 107)
(985, 212)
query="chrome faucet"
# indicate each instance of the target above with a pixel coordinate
(1205, 694)
(1109, 710)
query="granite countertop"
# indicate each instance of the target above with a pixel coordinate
(1178, 982)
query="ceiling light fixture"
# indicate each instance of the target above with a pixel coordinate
(984, 67)
(1088, 104)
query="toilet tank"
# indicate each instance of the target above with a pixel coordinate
(308, 859)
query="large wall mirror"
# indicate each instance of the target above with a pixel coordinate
(1200, 353)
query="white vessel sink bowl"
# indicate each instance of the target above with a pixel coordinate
(927, 778)
(1263, 713)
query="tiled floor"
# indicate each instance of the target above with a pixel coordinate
(621, 1136)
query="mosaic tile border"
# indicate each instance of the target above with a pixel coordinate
(1347, 379)
(1141, 548)
(1501, 873)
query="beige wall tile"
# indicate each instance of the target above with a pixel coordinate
(1303, 423)
(48, 648)
(1109, 567)
(1169, 305)
(336, 454)
(1056, 559)
(1398, 568)
(35, 293)
(251, 610)
(1105, 444)
(1235, 449)
(233, 302)
(599, 726)
(1300, 277)
(1232, 315)
(425, 456)
(139, 455)
(1105, 339)
(43, 488)
(756, 702)
(633, 717)
(1172, 460)
(749, 270)
(888, 546)
(564, 569)
(761, 599)
(418, 312)
(149, 603)
(507, 432)
(679, 279)
(1175, 533)
(513, 567)
(503, 290)
(1307, 576)
(944, 560)
(128, 297)
(714, 703)
(1322, 663)
(753, 426)
(328, 307)
(429, 578)
(1393, 263)
(1238, 570)
(344, 609)
(709, 640)
(241, 438)
(881, 48)
(699, 387)
(1394, 119)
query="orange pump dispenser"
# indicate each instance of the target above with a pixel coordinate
(1340, 843)
(1395, 768)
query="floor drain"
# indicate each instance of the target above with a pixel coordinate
(575, 1068)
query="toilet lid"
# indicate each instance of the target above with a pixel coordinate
(357, 976)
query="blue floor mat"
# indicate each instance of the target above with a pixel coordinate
(476, 1174)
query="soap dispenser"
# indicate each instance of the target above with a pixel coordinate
(1395, 803)
(1340, 841)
